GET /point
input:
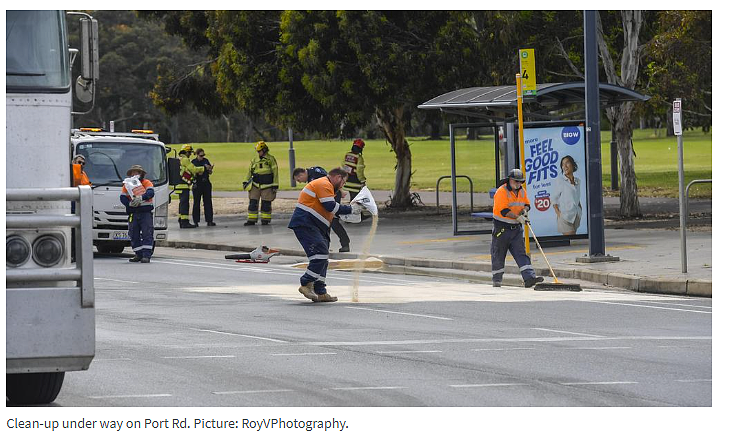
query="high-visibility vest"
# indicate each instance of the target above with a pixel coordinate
(507, 199)
(139, 191)
(80, 176)
(354, 166)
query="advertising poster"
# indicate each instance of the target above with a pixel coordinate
(556, 180)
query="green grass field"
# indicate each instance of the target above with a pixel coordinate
(656, 162)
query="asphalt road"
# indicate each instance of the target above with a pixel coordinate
(193, 329)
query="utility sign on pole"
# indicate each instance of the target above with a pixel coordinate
(526, 69)
(677, 116)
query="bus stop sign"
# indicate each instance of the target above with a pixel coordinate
(527, 71)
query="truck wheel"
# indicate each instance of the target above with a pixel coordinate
(110, 248)
(33, 389)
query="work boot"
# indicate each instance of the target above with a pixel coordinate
(344, 248)
(185, 224)
(265, 222)
(211, 223)
(532, 281)
(308, 292)
(250, 222)
(325, 298)
(145, 260)
(497, 283)
(135, 259)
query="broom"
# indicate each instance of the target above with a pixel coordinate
(557, 285)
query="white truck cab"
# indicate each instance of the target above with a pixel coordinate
(108, 157)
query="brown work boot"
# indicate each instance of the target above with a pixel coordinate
(325, 298)
(308, 292)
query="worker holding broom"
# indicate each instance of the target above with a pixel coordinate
(510, 214)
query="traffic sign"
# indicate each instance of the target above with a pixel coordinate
(677, 116)
(527, 71)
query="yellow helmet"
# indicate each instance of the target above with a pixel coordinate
(187, 149)
(261, 146)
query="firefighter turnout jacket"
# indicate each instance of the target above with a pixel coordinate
(354, 166)
(507, 200)
(263, 172)
(188, 173)
(317, 206)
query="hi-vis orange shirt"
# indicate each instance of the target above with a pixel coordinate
(506, 200)
(80, 176)
(317, 206)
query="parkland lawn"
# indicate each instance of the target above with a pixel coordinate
(656, 162)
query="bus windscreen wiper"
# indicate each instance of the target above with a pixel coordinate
(13, 73)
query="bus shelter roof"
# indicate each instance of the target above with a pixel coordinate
(500, 102)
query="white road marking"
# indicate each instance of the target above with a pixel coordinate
(254, 391)
(488, 385)
(566, 332)
(359, 388)
(604, 347)
(685, 305)
(97, 360)
(119, 281)
(130, 396)
(406, 352)
(653, 307)
(399, 313)
(201, 356)
(491, 340)
(695, 381)
(504, 349)
(240, 335)
(598, 383)
(307, 353)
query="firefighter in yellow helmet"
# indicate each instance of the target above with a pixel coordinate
(188, 174)
(262, 182)
(354, 166)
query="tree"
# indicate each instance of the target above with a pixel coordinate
(332, 71)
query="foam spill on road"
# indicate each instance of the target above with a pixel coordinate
(362, 259)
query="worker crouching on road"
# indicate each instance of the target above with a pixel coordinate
(311, 223)
(510, 213)
(308, 175)
(188, 175)
(262, 182)
(137, 196)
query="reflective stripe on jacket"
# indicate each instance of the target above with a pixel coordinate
(354, 166)
(263, 171)
(505, 199)
(188, 172)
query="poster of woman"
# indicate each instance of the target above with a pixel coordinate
(565, 197)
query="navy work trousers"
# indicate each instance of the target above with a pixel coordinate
(315, 245)
(140, 230)
(505, 238)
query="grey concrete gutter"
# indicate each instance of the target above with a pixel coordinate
(697, 288)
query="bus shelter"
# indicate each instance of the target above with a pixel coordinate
(553, 133)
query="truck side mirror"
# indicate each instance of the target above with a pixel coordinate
(89, 49)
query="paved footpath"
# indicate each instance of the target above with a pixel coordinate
(422, 243)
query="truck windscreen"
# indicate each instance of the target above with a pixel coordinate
(107, 162)
(36, 57)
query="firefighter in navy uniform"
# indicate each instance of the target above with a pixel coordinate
(510, 213)
(262, 182)
(188, 174)
(354, 166)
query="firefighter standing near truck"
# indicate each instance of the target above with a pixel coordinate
(511, 208)
(354, 166)
(262, 182)
(188, 174)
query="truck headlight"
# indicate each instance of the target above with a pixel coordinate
(17, 251)
(160, 220)
(48, 250)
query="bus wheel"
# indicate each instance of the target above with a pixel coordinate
(33, 388)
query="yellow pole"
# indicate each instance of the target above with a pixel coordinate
(520, 121)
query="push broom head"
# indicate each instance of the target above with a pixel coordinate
(558, 287)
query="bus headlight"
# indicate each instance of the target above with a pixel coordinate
(160, 220)
(48, 250)
(17, 251)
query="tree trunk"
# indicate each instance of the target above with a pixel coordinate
(229, 127)
(392, 124)
(620, 118)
